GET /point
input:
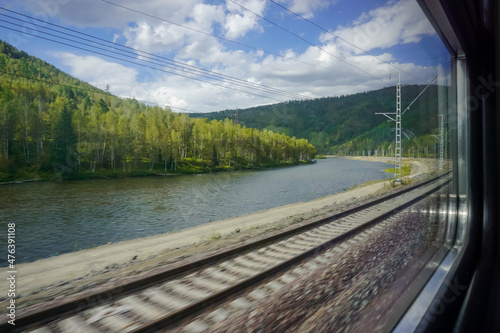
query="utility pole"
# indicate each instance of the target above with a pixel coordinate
(441, 142)
(397, 119)
(399, 151)
(398, 114)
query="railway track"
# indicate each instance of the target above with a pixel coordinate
(164, 300)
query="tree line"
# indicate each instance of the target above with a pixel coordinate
(71, 129)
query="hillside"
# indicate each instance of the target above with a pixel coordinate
(330, 123)
(53, 126)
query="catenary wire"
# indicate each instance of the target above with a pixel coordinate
(434, 81)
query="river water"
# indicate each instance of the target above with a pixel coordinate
(59, 217)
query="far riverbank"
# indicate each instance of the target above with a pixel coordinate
(186, 166)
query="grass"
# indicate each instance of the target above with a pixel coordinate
(405, 170)
(214, 235)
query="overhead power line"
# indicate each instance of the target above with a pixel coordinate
(306, 41)
(139, 64)
(155, 60)
(144, 65)
(151, 56)
(345, 40)
(227, 40)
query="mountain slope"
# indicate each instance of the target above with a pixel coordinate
(332, 121)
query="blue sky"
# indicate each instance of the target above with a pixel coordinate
(306, 63)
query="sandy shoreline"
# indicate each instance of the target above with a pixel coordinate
(47, 273)
(419, 166)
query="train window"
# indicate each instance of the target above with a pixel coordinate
(226, 166)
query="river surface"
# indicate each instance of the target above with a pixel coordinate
(59, 217)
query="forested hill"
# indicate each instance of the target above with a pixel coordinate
(55, 126)
(330, 123)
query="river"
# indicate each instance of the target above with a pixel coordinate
(59, 217)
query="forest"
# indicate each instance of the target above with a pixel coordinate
(345, 124)
(53, 126)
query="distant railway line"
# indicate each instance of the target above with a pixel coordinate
(170, 298)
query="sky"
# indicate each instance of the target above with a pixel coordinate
(212, 55)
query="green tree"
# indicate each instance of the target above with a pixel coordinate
(64, 147)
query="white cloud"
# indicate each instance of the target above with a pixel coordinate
(206, 15)
(237, 25)
(396, 23)
(99, 72)
(160, 38)
(307, 8)
(240, 21)
(164, 37)
(192, 31)
(82, 13)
